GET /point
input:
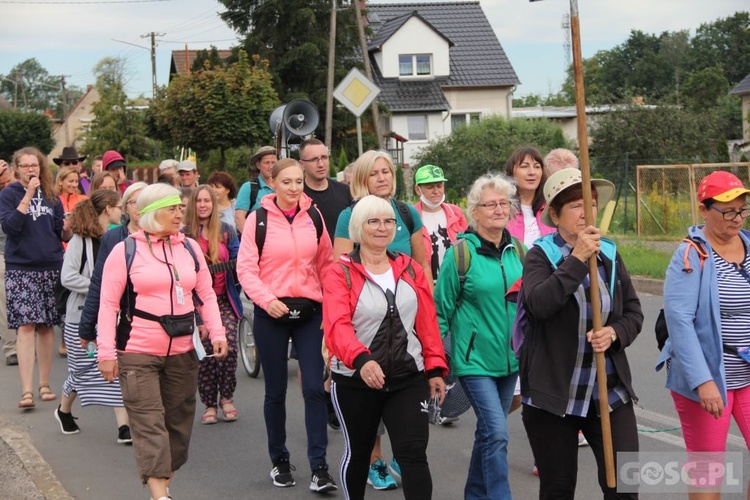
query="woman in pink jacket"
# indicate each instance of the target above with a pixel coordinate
(154, 355)
(284, 254)
(526, 167)
(442, 221)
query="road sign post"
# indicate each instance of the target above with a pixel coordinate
(356, 92)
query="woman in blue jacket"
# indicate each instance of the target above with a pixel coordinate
(708, 318)
(217, 378)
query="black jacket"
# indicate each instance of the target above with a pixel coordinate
(549, 351)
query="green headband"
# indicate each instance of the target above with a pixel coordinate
(162, 203)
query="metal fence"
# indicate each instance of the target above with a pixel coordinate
(665, 195)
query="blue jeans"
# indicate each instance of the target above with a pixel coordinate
(488, 469)
(272, 341)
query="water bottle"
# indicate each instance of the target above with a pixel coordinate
(91, 349)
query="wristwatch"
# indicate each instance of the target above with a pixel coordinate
(614, 334)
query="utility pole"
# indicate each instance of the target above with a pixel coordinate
(65, 109)
(15, 99)
(153, 57)
(368, 69)
(331, 65)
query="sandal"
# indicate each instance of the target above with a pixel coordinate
(230, 414)
(46, 394)
(209, 416)
(27, 401)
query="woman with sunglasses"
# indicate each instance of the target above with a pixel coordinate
(707, 309)
(217, 378)
(32, 219)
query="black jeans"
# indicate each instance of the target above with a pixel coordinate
(360, 410)
(554, 442)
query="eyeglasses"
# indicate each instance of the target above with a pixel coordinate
(732, 214)
(28, 166)
(492, 205)
(131, 202)
(67, 163)
(323, 158)
(377, 223)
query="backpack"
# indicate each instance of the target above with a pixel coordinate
(462, 258)
(261, 226)
(555, 258)
(660, 329)
(130, 309)
(62, 293)
(254, 188)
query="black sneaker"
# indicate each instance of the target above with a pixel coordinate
(67, 422)
(123, 435)
(333, 421)
(282, 474)
(321, 481)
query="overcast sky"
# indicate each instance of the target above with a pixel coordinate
(69, 38)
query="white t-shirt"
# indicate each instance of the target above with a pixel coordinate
(386, 281)
(531, 229)
(437, 227)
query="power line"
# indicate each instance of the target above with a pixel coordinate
(69, 2)
(199, 41)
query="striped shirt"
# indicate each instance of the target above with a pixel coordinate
(734, 303)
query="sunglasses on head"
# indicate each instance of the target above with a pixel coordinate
(67, 163)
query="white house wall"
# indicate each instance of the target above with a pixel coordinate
(486, 101)
(436, 128)
(414, 37)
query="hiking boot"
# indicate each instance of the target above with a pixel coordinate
(321, 481)
(282, 474)
(67, 422)
(380, 478)
(123, 435)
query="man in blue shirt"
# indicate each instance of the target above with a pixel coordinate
(251, 192)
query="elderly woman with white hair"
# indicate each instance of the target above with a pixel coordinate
(165, 280)
(387, 358)
(480, 320)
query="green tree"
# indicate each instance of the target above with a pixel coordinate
(117, 124)
(665, 134)
(724, 42)
(484, 146)
(212, 56)
(293, 36)
(216, 108)
(32, 84)
(703, 88)
(19, 129)
(343, 160)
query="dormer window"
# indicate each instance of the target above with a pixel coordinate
(415, 64)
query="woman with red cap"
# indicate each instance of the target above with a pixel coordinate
(708, 318)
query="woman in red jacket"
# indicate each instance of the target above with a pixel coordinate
(387, 359)
(283, 278)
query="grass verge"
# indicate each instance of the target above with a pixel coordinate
(644, 260)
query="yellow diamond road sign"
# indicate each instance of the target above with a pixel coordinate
(356, 92)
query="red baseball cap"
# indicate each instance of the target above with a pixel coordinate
(721, 186)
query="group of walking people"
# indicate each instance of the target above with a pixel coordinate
(365, 288)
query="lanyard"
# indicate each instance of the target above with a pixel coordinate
(171, 266)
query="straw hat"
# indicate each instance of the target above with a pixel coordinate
(567, 177)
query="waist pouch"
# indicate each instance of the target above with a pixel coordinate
(176, 325)
(300, 310)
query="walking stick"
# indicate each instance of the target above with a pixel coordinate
(583, 145)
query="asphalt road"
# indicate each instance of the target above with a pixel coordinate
(230, 460)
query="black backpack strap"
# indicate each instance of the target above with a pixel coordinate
(317, 221)
(261, 223)
(254, 189)
(191, 251)
(406, 215)
(129, 256)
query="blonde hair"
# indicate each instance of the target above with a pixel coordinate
(501, 184)
(362, 168)
(283, 164)
(61, 175)
(367, 208)
(150, 194)
(213, 226)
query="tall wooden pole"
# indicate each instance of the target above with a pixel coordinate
(583, 146)
(331, 66)
(368, 69)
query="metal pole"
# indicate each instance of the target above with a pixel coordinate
(359, 135)
(368, 72)
(583, 146)
(331, 67)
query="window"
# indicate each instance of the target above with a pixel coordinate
(417, 125)
(415, 64)
(463, 119)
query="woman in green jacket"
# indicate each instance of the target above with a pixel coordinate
(480, 321)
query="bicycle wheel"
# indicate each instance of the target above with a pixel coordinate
(248, 351)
